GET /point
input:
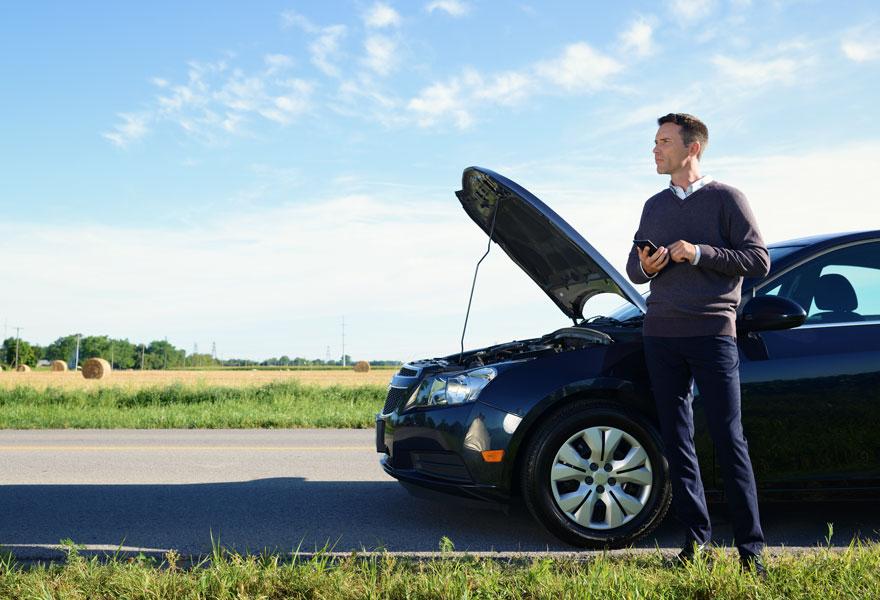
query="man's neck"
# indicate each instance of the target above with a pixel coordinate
(686, 178)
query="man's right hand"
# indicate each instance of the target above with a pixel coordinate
(656, 262)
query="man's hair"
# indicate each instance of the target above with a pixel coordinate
(692, 129)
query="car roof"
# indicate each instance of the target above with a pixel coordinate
(828, 238)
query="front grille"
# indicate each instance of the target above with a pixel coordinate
(407, 372)
(396, 395)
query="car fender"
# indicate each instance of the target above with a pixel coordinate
(594, 389)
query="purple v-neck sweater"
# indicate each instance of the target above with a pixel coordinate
(690, 300)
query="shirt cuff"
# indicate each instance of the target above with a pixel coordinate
(645, 274)
(696, 256)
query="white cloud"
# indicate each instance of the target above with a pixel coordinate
(691, 10)
(579, 68)
(277, 62)
(861, 44)
(159, 82)
(757, 73)
(293, 102)
(638, 38)
(441, 100)
(381, 15)
(507, 88)
(455, 8)
(363, 97)
(861, 51)
(325, 49)
(381, 54)
(132, 128)
(217, 100)
(291, 18)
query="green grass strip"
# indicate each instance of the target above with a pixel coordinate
(273, 405)
(850, 573)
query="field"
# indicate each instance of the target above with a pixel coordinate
(192, 399)
(137, 379)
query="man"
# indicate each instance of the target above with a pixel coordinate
(706, 241)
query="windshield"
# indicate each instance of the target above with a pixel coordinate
(627, 310)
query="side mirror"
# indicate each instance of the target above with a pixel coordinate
(766, 313)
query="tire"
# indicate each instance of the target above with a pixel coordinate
(570, 491)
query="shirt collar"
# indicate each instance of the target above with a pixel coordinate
(699, 183)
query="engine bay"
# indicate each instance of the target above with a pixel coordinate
(561, 340)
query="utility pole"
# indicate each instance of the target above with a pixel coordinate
(214, 350)
(112, 347)
(17, 336)
(143, 352)
(195, 352)
(76, 356)
(165, 355)
(343, 340)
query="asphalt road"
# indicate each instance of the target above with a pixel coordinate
(255, 490)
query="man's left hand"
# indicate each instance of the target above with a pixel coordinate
(682, 251)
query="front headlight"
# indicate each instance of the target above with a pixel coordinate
(443, 390)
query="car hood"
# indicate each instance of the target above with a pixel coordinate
(548, 249)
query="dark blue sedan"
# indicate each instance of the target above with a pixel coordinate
(567, 421)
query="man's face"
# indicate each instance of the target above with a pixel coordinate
(670, 153)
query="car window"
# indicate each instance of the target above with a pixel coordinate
(841, 286)
(866, 285)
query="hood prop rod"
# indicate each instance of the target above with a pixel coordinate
(477, 270)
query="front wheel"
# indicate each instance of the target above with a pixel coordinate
(594, 476)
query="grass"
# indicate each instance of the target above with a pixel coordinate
(821, 573)
(276, 404)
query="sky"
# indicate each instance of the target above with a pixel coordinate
(251, 174)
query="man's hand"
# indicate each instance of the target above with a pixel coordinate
(654, 263)
(682, 251)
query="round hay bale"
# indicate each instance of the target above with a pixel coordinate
(95, 368)
(361, 366)
(59, 365)
(23, 369)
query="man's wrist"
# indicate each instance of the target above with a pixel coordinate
(696, 255)
(645, 273)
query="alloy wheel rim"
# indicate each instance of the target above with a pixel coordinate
(601, 477)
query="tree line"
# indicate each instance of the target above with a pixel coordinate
(123, 354)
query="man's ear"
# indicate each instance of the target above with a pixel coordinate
(694, 149)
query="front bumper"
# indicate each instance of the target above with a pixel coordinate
(441, 448)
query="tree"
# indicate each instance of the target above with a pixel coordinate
(124, 354)
(162, 355)
(64, 348)
(26, 353)
(94, 346)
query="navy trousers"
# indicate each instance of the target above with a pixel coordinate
(674, 364)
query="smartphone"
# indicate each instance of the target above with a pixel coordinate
(652, 248)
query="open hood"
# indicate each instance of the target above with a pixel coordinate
(548, 249)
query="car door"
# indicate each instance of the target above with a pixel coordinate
(811, 395)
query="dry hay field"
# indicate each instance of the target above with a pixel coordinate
(136, 379)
